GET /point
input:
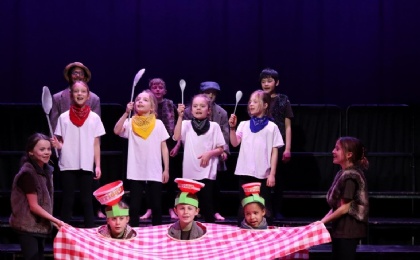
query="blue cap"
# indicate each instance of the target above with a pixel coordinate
(209, 85)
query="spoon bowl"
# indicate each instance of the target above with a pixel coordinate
(238, 98)
(182, 86)
(46, 106)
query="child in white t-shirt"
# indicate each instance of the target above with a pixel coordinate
(146, 149)
(260, 139)
(78, 134)
(203, 144)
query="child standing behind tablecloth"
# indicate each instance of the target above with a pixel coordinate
(260, 140)
(203, 144)
(146, 150)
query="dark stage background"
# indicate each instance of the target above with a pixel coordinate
(339, 51)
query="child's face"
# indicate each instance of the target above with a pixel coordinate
(269, 85)
(158, 89)
(143, 104)
(80, 94)
(256, 106)
(117, 225)
(200, 108)
(186, 213)
(254, 214)
(211, 94)
(41, 153)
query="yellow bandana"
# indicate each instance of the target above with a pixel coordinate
(143, 125)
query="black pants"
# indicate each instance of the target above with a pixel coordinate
(277, 194)
(206, 200)
(264, 192)
(344, 248)
(217, 197)
(70, 181)
(32, 247)
(96, 204)
(154, 194)
(174, 172)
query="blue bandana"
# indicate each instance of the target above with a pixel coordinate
(258, 123)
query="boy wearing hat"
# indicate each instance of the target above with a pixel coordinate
(74, 71)
(186, 207)
(220, 116)
(117, 218)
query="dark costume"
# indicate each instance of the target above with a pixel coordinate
(197, 231)
(349, 184)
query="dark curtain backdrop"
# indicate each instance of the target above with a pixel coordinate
(339, 51)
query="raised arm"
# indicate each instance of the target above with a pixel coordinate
(177, 130)
(118, 128)
(234, 139)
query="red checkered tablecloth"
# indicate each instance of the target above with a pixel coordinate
(220, 242)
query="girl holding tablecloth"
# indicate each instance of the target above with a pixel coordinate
(348, 198)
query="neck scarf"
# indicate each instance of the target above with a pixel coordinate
(78, 115)
(200, 126)
(143, 125)
(258, 123)
(262, 225)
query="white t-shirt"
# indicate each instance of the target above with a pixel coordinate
(195, 145)
(255, 152)
(144, 160)
(77, 152)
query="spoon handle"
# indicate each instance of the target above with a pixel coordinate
(51, 133)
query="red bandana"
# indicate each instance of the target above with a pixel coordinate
(78, 115)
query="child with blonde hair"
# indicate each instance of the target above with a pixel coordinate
(260, 139)
(146, 150)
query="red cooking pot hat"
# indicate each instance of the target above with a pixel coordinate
(110, 194)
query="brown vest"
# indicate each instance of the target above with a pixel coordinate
(359, 207)
(22, 218)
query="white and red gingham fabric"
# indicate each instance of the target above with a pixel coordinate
(219, 242)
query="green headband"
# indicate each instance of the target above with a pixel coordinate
(253, 198)
(116, 211)
(183, 199)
